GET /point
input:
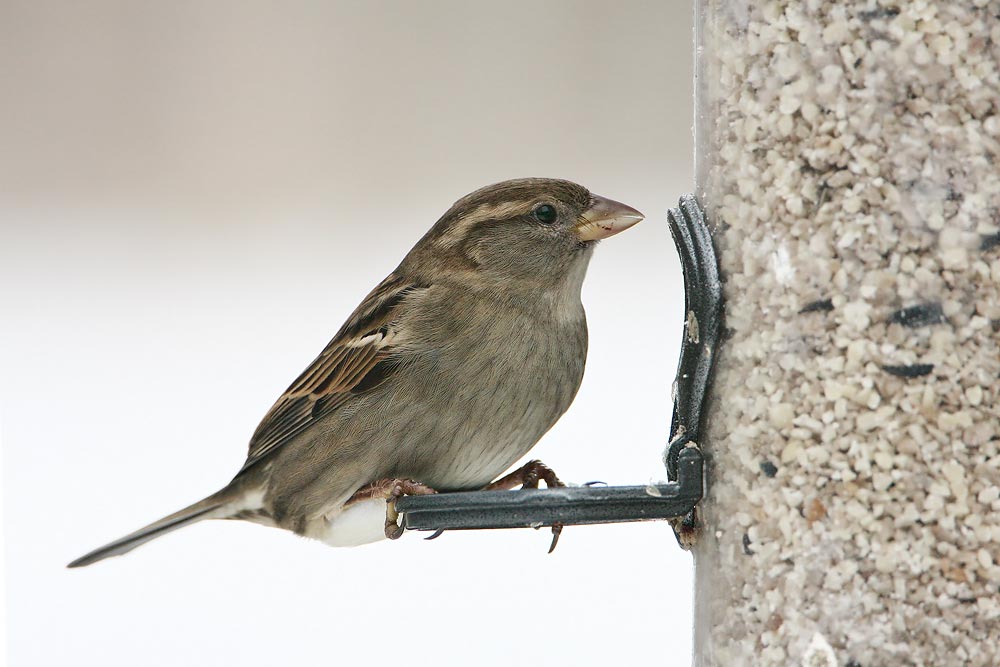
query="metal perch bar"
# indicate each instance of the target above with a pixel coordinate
(567, 506)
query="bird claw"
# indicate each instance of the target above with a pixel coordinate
(527, 477)
(390, 490)
(556, 532)
(393, 530)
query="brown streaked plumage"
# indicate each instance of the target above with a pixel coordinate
(357, 359)
(449, 371)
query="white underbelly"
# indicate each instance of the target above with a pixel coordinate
(359, 523)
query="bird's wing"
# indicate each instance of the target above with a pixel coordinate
(362, 355)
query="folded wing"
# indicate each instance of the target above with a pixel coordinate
(363, 354)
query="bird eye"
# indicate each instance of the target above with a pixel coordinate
(545, 213)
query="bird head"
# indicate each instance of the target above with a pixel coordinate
(536, 230)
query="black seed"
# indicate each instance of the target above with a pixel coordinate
(989, 242)
(823, 305)
(746, 545)
(911, 371)
(880, 13)
(920, 315)
(768, 468)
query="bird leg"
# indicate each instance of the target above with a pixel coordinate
(527, 477)
(390, 490)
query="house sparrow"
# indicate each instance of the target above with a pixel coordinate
(448, 372)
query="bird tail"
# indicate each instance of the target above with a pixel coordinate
(212, 507)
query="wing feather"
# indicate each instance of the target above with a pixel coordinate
(367, 342)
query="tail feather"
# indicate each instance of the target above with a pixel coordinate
(203, 509)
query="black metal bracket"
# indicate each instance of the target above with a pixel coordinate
(566, 506)
(702, 325)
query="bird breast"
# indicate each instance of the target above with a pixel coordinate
(487, 390)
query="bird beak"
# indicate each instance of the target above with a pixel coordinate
(605, 218)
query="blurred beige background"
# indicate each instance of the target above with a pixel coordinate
(194, 195)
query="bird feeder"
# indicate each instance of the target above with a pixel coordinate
(848, 159)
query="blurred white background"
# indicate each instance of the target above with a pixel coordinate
(194, 195)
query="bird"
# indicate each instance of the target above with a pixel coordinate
(446, 374)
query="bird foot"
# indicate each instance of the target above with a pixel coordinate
(390, 490)
(527, 477)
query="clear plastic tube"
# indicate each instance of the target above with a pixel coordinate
(849, 160)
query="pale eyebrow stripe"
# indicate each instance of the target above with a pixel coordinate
(482, 213)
